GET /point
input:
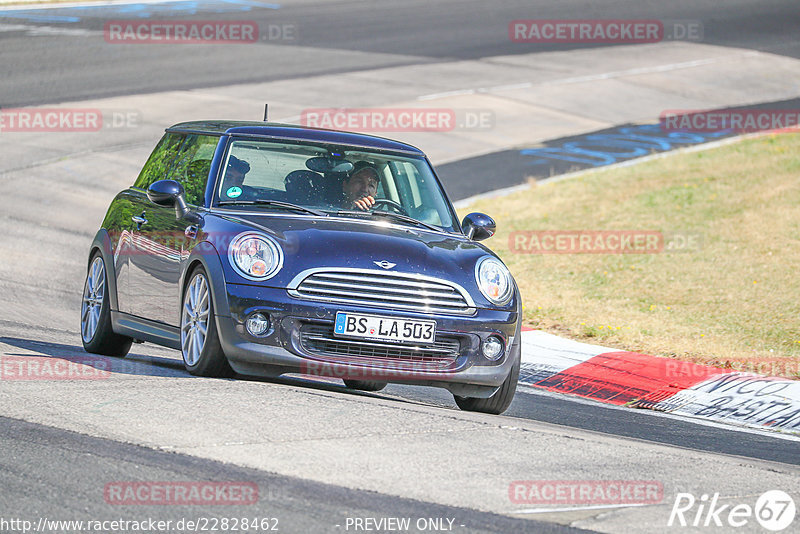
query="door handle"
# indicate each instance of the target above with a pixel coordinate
(139, 220)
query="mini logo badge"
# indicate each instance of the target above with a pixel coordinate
(384, 264)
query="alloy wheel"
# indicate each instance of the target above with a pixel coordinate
(194, 319)
(93, 293)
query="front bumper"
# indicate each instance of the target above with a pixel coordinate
(287, 346)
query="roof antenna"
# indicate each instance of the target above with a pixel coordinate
(266, 109)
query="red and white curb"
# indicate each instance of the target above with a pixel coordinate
(641, 381)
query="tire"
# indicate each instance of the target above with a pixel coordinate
(365, 385)
(501, 400)
(97, 335)
(200, 347)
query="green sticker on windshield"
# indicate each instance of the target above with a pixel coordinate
(233, 192)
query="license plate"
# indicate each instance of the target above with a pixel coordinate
(378, 328)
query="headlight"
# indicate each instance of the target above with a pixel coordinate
(255, 256)
(494, 280)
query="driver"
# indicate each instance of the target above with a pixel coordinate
(234, 176)
(360, 186)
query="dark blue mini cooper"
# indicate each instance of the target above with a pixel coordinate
(264, 249)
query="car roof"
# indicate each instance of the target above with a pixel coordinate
(290, 131)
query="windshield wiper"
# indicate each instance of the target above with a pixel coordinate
(273, 203)
(392, 215)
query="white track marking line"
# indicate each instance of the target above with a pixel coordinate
(573, 509)
(10, 6)
(39, 31)
(591, 77)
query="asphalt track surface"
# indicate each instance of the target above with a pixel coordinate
(68, 66)
(537, 405)
(559, 409)
(298, 505)
(61, 68)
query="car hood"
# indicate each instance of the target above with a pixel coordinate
(340, 242)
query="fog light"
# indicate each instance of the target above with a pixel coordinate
(257, 324)
(492, 348)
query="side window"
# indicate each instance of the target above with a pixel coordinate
(160, 161)
(194, 163)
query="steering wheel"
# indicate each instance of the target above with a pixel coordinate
(379, 202)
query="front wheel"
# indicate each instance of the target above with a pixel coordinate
(96, 333)
(501, 400)
(200, 346)
(365, 385)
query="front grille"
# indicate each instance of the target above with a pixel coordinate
(397, 291)
(319, 340)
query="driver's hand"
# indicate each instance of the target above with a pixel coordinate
(365, 203)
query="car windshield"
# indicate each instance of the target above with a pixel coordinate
(320, 179)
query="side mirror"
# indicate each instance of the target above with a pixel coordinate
(168, 193)
(165, 192)
(478, 226)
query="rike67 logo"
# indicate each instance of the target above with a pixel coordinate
(774, 511)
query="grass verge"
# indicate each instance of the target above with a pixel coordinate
(733, 303)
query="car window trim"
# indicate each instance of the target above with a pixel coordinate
(399, 152)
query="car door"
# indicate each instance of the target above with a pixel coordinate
(119, 225)
(164, 240)
(131, 247)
